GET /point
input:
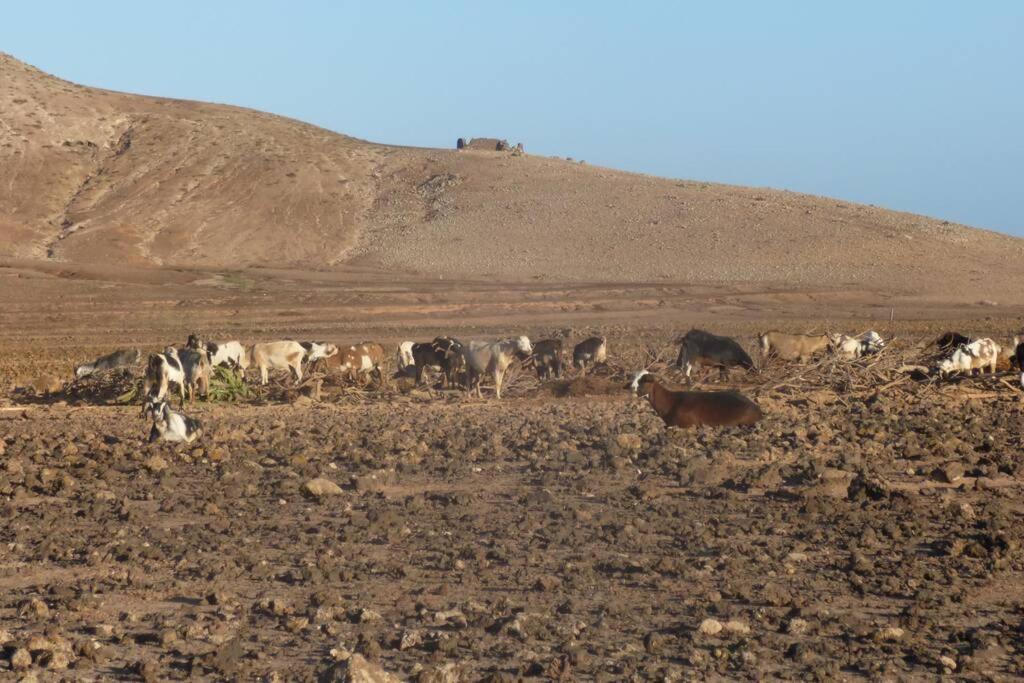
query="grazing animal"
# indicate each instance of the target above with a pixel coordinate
(162, 369)
(692, 408)
(698, 347)
(871, 342)
(849, 347)
(117, 359)
(950, 341)
(547, 358)
(798, 347)
(229, 354)
(1018, 354)
(279, 355)
(590, 352)
(977, 355)
(317, 350)
(405, 362)
(170, 425)
(197, 369)
(443, 354)
(494, 358)
(358, 360)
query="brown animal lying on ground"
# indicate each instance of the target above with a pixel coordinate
(692, 408)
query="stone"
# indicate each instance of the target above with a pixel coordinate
(629, 442)
(710, 627)
(797, 626)
(947, 663)
(21, 659)
(737, 627)
(155, 464)
(889, 633)
(354, 669)
(320, 488)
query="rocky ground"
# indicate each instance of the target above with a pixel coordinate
(562, 534)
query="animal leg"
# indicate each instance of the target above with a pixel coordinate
(264, 375)
(499, 375)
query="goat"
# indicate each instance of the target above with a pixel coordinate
(977, 355)
(698, 347)
(798, 347)
(170, 425)
(279, 355)
(494, 358)
(117, 359)
(693, 408)
(589, 352)
(229, 354)
(547, 358)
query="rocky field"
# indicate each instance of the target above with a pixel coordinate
(863, 530)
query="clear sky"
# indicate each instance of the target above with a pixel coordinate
(911, 104)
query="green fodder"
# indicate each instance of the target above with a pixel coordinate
(228, 385)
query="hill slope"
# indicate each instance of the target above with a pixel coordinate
(91, 176)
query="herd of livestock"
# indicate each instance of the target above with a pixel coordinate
(189, 368)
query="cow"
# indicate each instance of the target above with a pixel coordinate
(279, 355)
(950, 341)
(694, 408)
(358, 360)
(798, 347)
(170, 425)
(977, 355)
(117, 359)
(229, 354)
(547, 358)
(494, 358)
(443, 354)
(698, 347)
(589, 352)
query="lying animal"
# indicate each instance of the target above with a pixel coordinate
(170, 425)
(977, 355)
(693, 408)
(590, 352)
(547, 358)
(279, 355)
(798, 347)
(494, 358)
(117, 359)
(698, 347)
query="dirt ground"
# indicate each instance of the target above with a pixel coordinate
(869, 527)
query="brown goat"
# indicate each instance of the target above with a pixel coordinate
(693, 408)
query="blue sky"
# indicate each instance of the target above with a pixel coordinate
(910, 105)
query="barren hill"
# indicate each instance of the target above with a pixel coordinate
(90, 176)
